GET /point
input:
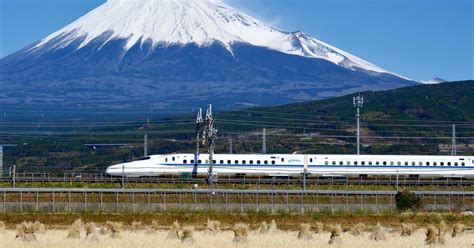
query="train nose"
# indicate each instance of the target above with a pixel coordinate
(114, 169)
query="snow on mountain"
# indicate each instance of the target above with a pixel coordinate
(433, 81)
(200, 22)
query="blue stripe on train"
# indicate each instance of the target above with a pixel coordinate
(333, 166)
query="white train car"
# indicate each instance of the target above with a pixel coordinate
(297, 164)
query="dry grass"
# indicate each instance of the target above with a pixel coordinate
(273, 228)
(378, 233)
(136, 226)
(26, 231)
(187, 234)
(335, 238)
(39, 227)
(152, 228)
(263, 228)
(458, 230)
(305, 232)
(174, 231)
(213, 227)
(115, 229)
(241, 232)
(357, 229)
(284, 239)
(318, 227)
(91, 230)
(442, 230)
(74, 231)
(431, 235)
(408, 229)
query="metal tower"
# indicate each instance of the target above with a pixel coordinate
(145, 145)
(199, 130)
(211, 135)
(453, 145)
(358, 103)
(264, 141)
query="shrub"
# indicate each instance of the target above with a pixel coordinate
(406, 200)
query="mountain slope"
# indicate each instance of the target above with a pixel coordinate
(445, 102)
(176, 53)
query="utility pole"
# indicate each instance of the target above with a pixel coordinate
(199, 129)
(145, 145)
(358, 103)
(230, 145)
(14, 176)
(453, 145)
(211, 135)
(123, 176)
(264, 141)
(1, 160)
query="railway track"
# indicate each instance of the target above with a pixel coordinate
(99, 178)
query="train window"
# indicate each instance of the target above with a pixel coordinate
(258, 161)
(420, 163)
(413, 163)
(348, 163)
(282, 159)
(221, 162)
(355, 163)
(455, 163)
(428, 163)
(392, 163)
(251, 162)
(384, 163)
(273, 161)
(406, 163)
(166, 159)
(265, 162)
(185, 161)
(442, 163)
(377, 163)
(192, 161)
(434, 163)
(207, 161)
(243, 162)
(173, 159)
(229, 162)
(363, 162)
(399, 163)
(310, 160)
(199, 161)
(449, 163)
(463, 164)
(370, 162)
(236, 161)
(214, 161)
(341, 163)
(326, 162)
(333, 162)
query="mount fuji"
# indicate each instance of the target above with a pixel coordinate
(181, 54)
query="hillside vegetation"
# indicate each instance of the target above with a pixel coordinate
(411, 120)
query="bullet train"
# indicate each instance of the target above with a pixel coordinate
(297, 164)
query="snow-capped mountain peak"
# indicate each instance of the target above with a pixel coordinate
(201, 22)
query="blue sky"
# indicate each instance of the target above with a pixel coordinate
(421, 39)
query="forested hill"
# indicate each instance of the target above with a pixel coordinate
(451, 101)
